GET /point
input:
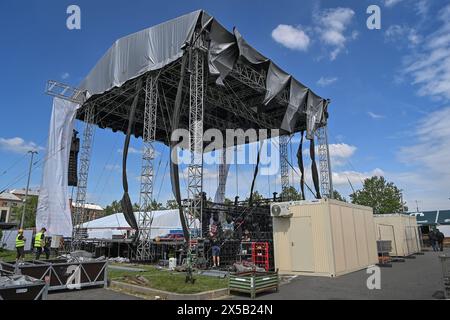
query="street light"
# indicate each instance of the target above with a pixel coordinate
(26, 191)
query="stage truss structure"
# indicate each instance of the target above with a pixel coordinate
(206, 104)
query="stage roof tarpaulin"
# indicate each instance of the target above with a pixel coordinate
(53, 210)
(157, 47)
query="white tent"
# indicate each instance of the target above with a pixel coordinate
(164, 222)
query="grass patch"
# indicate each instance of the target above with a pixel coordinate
(10, 256)
(169, 280)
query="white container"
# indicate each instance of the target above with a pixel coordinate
(172, 263)
(402, 230)
(56, 241)
(324, 238)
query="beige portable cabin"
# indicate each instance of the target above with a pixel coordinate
(323, 237)
(402, 230)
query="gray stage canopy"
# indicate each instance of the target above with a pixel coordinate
(244, 89)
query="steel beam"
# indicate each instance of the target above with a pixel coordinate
(64, 91)
(326, 183)
(284, 165)
(223, 174)
(147, 173)
(195, 168)
(83, 173)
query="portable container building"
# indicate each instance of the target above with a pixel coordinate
(323, 237)
(402, 230)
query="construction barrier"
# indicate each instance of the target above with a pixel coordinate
(19, 287)
(61, 274)
(253, 282)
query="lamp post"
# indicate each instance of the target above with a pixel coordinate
(22, 219)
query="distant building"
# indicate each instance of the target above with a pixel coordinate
(21, 193)
(92, 211)
(433, 219)
(8, 202)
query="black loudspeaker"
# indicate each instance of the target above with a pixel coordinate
(73, 160)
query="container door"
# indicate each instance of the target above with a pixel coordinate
(302, 254)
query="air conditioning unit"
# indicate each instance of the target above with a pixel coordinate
(280, 210)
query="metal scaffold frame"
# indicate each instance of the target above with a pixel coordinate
(145, 218)
(223, 170)
(83, 174)
(284, 165)
(326, 183)
(195, 168)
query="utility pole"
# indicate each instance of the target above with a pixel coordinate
(26, 191)
(401, 199)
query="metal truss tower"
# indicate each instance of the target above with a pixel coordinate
(326, 183)
(85, 160)
(195, 168)
(284, 165)
(223, 173)
(143, 252)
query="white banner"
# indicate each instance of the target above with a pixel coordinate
(53, 211)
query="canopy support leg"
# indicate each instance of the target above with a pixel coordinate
(326, 183)
(195, 168)
(284, 165)
(85, 160)
(147, 172)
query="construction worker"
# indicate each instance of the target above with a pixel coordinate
(39, 244)
(20, 246)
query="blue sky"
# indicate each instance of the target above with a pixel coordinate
(390, 88)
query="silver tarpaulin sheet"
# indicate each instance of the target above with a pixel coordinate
(155, 47)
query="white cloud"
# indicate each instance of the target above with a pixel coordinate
(430, 67)
(343, 177)
(131, 150)
(398, 34)
(331, 25)
(326, 81)
(113, 167)
(429, 180)
(18, 145)
(391, 3)
(65, 75)
(422, 7)
(291, 37)
(374, 115)
(340, 153)
(341, 150)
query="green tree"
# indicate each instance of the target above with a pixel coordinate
(257, 197)
(155, 205)
(171, 204)
(338, 196)
(228, 201)
(377, 193)
(290, 194)
(114, 207)
(30, 212)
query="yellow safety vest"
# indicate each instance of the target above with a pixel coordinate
(38, 240)
(20, 243)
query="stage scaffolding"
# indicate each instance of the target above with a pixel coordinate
(237, 103)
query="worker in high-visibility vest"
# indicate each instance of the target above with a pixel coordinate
(20, 246)
(39, 244)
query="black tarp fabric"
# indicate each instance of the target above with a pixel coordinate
(156, 47)
(301, 165)
(174, 169)
(314, 172)
(127, 206)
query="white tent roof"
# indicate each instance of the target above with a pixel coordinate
(163, 222)
(162, 219)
